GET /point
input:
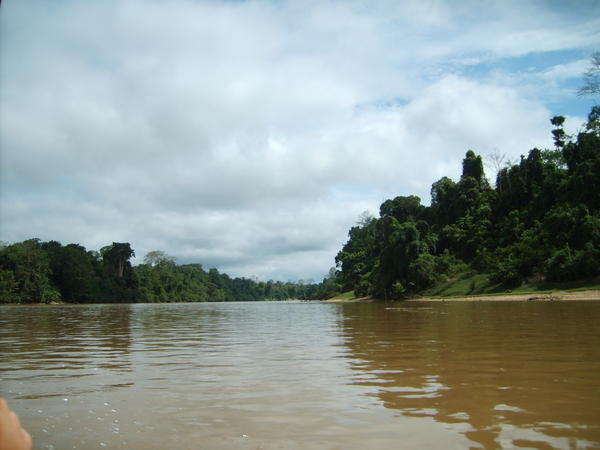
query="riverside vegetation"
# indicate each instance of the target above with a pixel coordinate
(537, 229)
(540, 224)
(44, 272)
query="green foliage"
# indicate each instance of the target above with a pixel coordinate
(75, 272)
(423, 272)
(330, 286)
(9, 287)
(583, 161)
(401, 247)
(162, 280)
(349, 295)
(357, 257)
(118, 281)
(34, 272)
(30, 268)
(116, 258)
(402, 209)
(541, 221)
(466, 282)
(558, 132)
(566, 264)
(473, 168)
(444, 202)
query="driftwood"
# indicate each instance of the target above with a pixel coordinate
(544, 297)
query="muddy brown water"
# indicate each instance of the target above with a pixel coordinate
(305, 375)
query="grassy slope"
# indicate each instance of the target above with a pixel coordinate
(469, 283)
(344, 296)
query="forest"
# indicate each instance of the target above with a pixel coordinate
(46, 272)
(540, 221)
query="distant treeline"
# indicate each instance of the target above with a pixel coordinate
(540, 221)
(41, 272)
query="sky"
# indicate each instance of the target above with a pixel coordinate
(251, 135)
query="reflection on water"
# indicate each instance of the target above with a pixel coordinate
(298, 375)
(61, 344)
(507, 374)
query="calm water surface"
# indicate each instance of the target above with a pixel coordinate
(305, 375)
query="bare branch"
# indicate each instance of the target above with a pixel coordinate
(591, 78)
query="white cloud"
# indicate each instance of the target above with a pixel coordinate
(251, 135)
(561, 72)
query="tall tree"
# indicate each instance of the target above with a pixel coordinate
(473, 167)
(158, 257)
(591, 77)
(117, 257)
(120, 283)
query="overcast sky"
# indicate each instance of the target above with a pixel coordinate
(250, 135)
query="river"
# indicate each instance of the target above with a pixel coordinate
(296, 375)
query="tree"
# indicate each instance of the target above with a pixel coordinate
(357, 257)
(365, 218)
(583, 161)
(157, 258)
(9, 287)
(444, 198)
(330, 286)
(593, 123)
(30, 267)
(119, 283)
(402, 208)
(117, 256)
(401, 246)
(473, 166)
(591, 77)
(496, 160)
(558, 133)
(542, 219)
(74, 271)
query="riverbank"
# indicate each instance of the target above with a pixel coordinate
(546, 296)
(543, 296)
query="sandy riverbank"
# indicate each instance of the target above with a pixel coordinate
(548, 296)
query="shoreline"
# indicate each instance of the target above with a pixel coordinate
(584, 295)
(588, 295)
